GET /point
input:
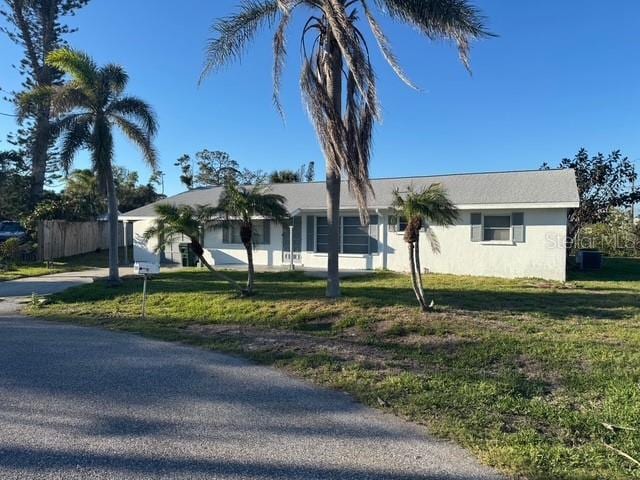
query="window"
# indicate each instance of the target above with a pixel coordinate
(322, 235)
(497, 227)
(500, 228)
(354, 237)
(231, 233)
(397, 223)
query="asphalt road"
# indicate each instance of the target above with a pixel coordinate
(83, 403)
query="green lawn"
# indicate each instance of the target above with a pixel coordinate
(535, 377)
(70, 264)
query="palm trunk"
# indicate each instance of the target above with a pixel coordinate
(112, 214)
(333, 77)
(39, 155)
(419, 273)
(414, 281)
(196, 248)
(251, 276)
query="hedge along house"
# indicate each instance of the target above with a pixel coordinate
(511, 224)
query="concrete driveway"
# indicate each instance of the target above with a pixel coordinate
(15, 292)
(83, 403)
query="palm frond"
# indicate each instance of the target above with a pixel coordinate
(76, 134)
(328, 125)
(69, 97)
(140, 110)
(345, 35)
(426, 205)
(455, 20)
(233, 33)
(432, 239)
(115, 78)
(270, 205)
(78, 65)
(385, 46)
(280, 53)
(140, 137)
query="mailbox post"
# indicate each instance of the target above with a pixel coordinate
(145, 269)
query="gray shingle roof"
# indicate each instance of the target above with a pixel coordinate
(524, 187)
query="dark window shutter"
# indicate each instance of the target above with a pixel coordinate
(297, 234)
(476, 227)
(517, 224)
(311, 233)
(373, 234)
(226, 230)
(266, 236)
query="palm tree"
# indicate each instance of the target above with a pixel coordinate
(242, 204)
(82, 185)
(335, 52)
(172, 220)
(87, 108)
(419, 208)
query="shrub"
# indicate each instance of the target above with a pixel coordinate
(10, 252)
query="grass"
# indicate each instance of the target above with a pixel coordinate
(535, 377)
(70, 264)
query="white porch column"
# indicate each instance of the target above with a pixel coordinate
(385, 239)
(124, 242)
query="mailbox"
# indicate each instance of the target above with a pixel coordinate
(146, 268)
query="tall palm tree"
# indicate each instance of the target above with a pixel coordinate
(334, 53)
(87, 108)
(173, 220)
(420, 208)
(243, 204)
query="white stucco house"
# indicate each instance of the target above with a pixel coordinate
(511, 224)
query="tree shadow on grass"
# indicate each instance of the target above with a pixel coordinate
(518, 297)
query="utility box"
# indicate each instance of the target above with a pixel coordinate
(589, 259)
(187, 255)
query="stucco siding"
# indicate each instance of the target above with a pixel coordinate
(230, 254)
(143, 251)
(541, 255)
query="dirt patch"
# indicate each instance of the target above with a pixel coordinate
(281, 341)
(535, 370)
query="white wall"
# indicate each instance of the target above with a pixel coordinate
(229, 254)
(143, 250)
(542, 254)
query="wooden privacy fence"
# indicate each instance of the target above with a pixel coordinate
(60, 238)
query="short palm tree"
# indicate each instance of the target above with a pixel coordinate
(336, 56)
(172, 220)
(87, 108)
(243, 204)
(420, 207)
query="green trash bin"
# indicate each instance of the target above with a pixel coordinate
(188, 258)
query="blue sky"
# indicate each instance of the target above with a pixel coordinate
(561, 75)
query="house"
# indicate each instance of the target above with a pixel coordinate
(511, 224)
